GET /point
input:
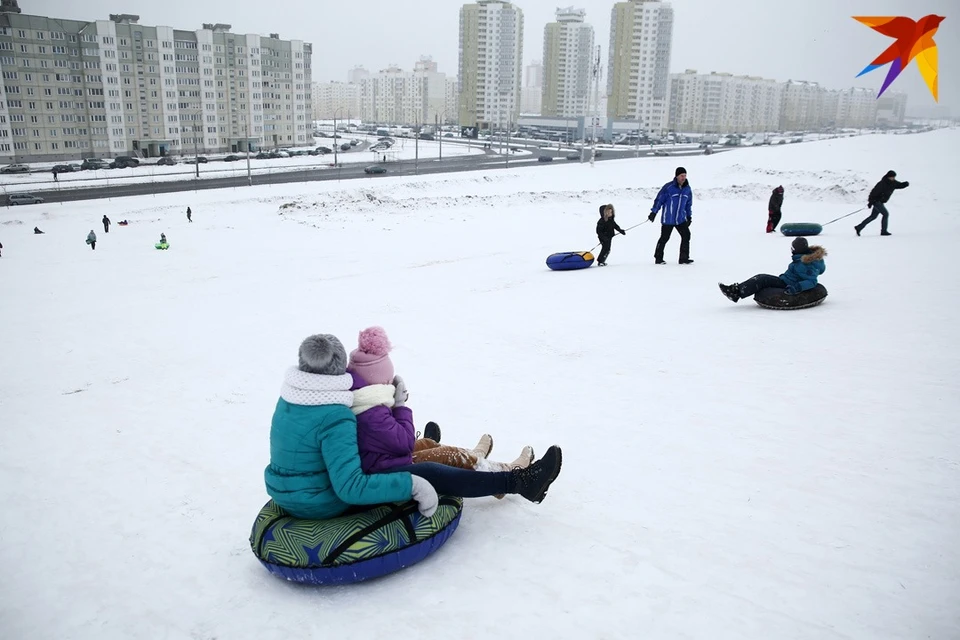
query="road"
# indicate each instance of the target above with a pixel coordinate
(489, 160)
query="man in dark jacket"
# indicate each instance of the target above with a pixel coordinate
(106, 224)
(773, 209)
(675, 199)
(607, 227)
(877, 200)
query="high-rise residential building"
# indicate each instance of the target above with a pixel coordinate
(803, 106)
(490, 68)
(357, 75)
(568, 53)
(77, 89)
(394, 96)
(531, 94)
(336, 100)
(451, 105)
(723, 103)
(638, 82)
(891, 109)
(436, 87)
(856, 108)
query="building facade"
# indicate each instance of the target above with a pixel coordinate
(568, 51)
(856, 108)
(891, 109)
(531, 95)
(638, 82)
(490, 67)
(723, 103)
(395, 97)
(336, 99)
(436, 90)
(77, 89)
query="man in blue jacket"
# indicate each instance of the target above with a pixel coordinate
(675, 200)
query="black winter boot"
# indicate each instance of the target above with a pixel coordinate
(732, 291)
(431, 430)
(532, 483)
(858, 229)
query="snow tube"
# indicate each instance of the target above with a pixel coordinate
(777, 299)
(162, 245)
(801, 229)
(568, 260)
(365, 544)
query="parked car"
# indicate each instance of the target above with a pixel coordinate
(659, 152)
(166, 161)
(573, 156)
(129, 161)
(23, 198)
(345, 147)
(545, 159)
(196, 160)
(92, 163)
(74, 166)
(15, 168)
(61, 168)
(374, 168)
(231, 158)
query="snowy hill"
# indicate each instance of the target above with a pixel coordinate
(729, 472)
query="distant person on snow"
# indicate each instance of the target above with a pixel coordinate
(801, 275)
(189, 215)
(36, 231)
(607, 227)
(1, 249)
(675, 199)
(773, 209)
(877, 200)
(163, 238)
(92, 240)
(106, 224)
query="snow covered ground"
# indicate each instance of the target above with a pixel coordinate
(729, 472)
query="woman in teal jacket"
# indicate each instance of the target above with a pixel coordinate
(807, 265)
(314, 469)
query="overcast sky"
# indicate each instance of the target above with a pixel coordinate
(808, 40)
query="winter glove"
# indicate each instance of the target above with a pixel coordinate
(793, 290)
(906, 184)
(689, 221)
(401, 395)
(425, 496)
(869, 205)
(653, 214)
(622, 232)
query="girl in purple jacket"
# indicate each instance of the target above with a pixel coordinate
(386, 436)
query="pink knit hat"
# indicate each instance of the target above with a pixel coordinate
(370, 360)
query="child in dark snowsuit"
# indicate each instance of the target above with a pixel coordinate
(773, 209)
(801, 275)
(607, 227)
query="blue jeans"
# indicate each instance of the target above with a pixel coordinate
(881, 210)
(462, 482)
(760, 281)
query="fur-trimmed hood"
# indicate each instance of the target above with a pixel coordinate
(816, 253)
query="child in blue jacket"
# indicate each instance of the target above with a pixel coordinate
(801, 275)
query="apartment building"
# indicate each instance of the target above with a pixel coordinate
(856, 108)
(531, 94)
(723, 103)
(394, 96)
(568, 52)
(638, 82)
(336, 99)
(891, 109)
(436, 90)
(75, 89)
(490, 67)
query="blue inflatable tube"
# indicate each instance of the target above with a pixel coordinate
(801, 229)
(569, 260)
(366, 544)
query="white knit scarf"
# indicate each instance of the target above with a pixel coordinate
(371, 396)
(312, 389)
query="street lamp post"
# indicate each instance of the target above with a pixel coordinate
(336, 145)
(246, 131)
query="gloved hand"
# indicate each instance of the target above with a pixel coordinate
(401, 395)
(623, 232)
(793, 290)
(906, 184)
(869, 205)
(653, 214)
(425, 496)
(689, 221)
